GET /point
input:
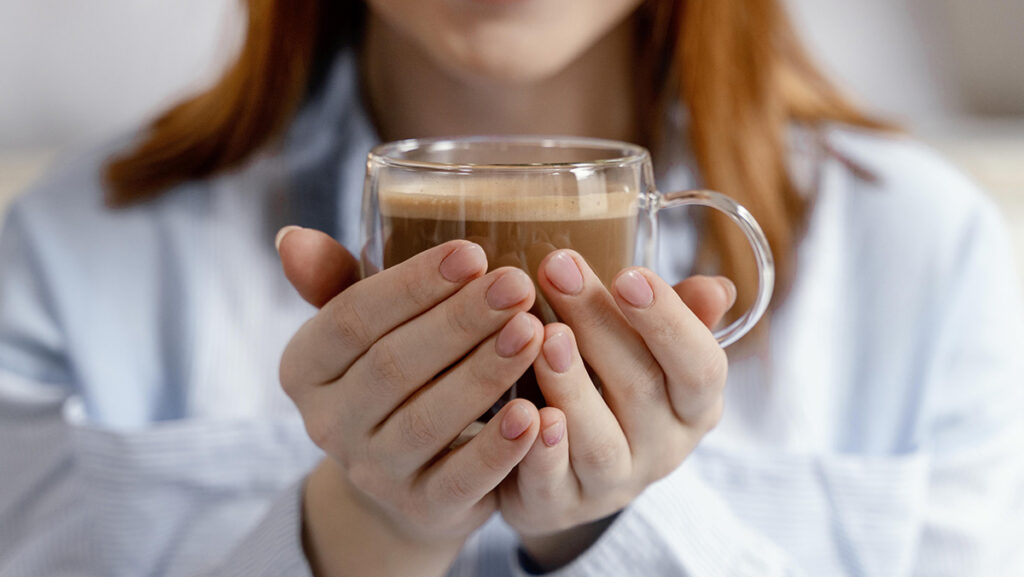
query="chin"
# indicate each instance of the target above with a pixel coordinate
(503, 41)
(495, 62)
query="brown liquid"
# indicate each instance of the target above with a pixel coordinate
(516, 232)
(606, 244)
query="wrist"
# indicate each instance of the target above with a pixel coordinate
(553, 551)
(343, 534)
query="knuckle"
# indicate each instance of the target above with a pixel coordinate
(414, 291)
(648, 382)
(551, 493)
(458, 318)
(455, 488)
(595, 317)
(293, 362)
(698, 401)
(491, 377)
(601, 455)
(322, 432)
(348, 326)
(711, 369)
(385, 366)
(417, 429)
(495, 461)
(547, 471)
(287, 374)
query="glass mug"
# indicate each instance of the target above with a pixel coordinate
(522, 197)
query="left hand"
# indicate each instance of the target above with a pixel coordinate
(662, 375)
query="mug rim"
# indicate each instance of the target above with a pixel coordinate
(626, 153)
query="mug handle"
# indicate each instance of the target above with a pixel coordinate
(754, 234)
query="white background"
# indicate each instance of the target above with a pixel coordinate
(73, 71)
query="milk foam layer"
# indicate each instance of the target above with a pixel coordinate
(504, 204)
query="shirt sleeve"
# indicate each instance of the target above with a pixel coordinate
(678, 526)
(48, 519)
(274, 547)
(973, 428)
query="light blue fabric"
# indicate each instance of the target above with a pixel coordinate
(143, 431)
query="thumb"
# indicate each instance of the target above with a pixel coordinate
(316, 265)
(709, 297)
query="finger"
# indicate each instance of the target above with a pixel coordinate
(402, 361)
(599, 451)
(544, 477)
(631, 380)
(708, 297)
(692, 360)
(464, 476)
(316, 265)
(435, 416)
(327, 345)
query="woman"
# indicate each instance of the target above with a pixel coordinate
(873, 428)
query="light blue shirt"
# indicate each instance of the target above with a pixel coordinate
(143, 430)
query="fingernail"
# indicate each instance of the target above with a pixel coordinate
(510, 289)
(730, 290)
(558, 352)
(554, 433)
(563, 272)
(515, 336)
(463, 263)
(281, 234)
(516, 421)
(634, 288)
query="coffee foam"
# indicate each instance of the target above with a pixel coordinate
(504, 204)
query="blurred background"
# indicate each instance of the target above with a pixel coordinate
(952, 71)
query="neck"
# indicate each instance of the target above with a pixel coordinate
(411, 97)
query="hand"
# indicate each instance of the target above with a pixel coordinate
(662, 374)
(386, 376)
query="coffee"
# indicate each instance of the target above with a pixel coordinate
(514, 230)
(521, 197)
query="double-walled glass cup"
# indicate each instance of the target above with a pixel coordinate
(522, 197)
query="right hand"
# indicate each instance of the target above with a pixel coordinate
(386, 376)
